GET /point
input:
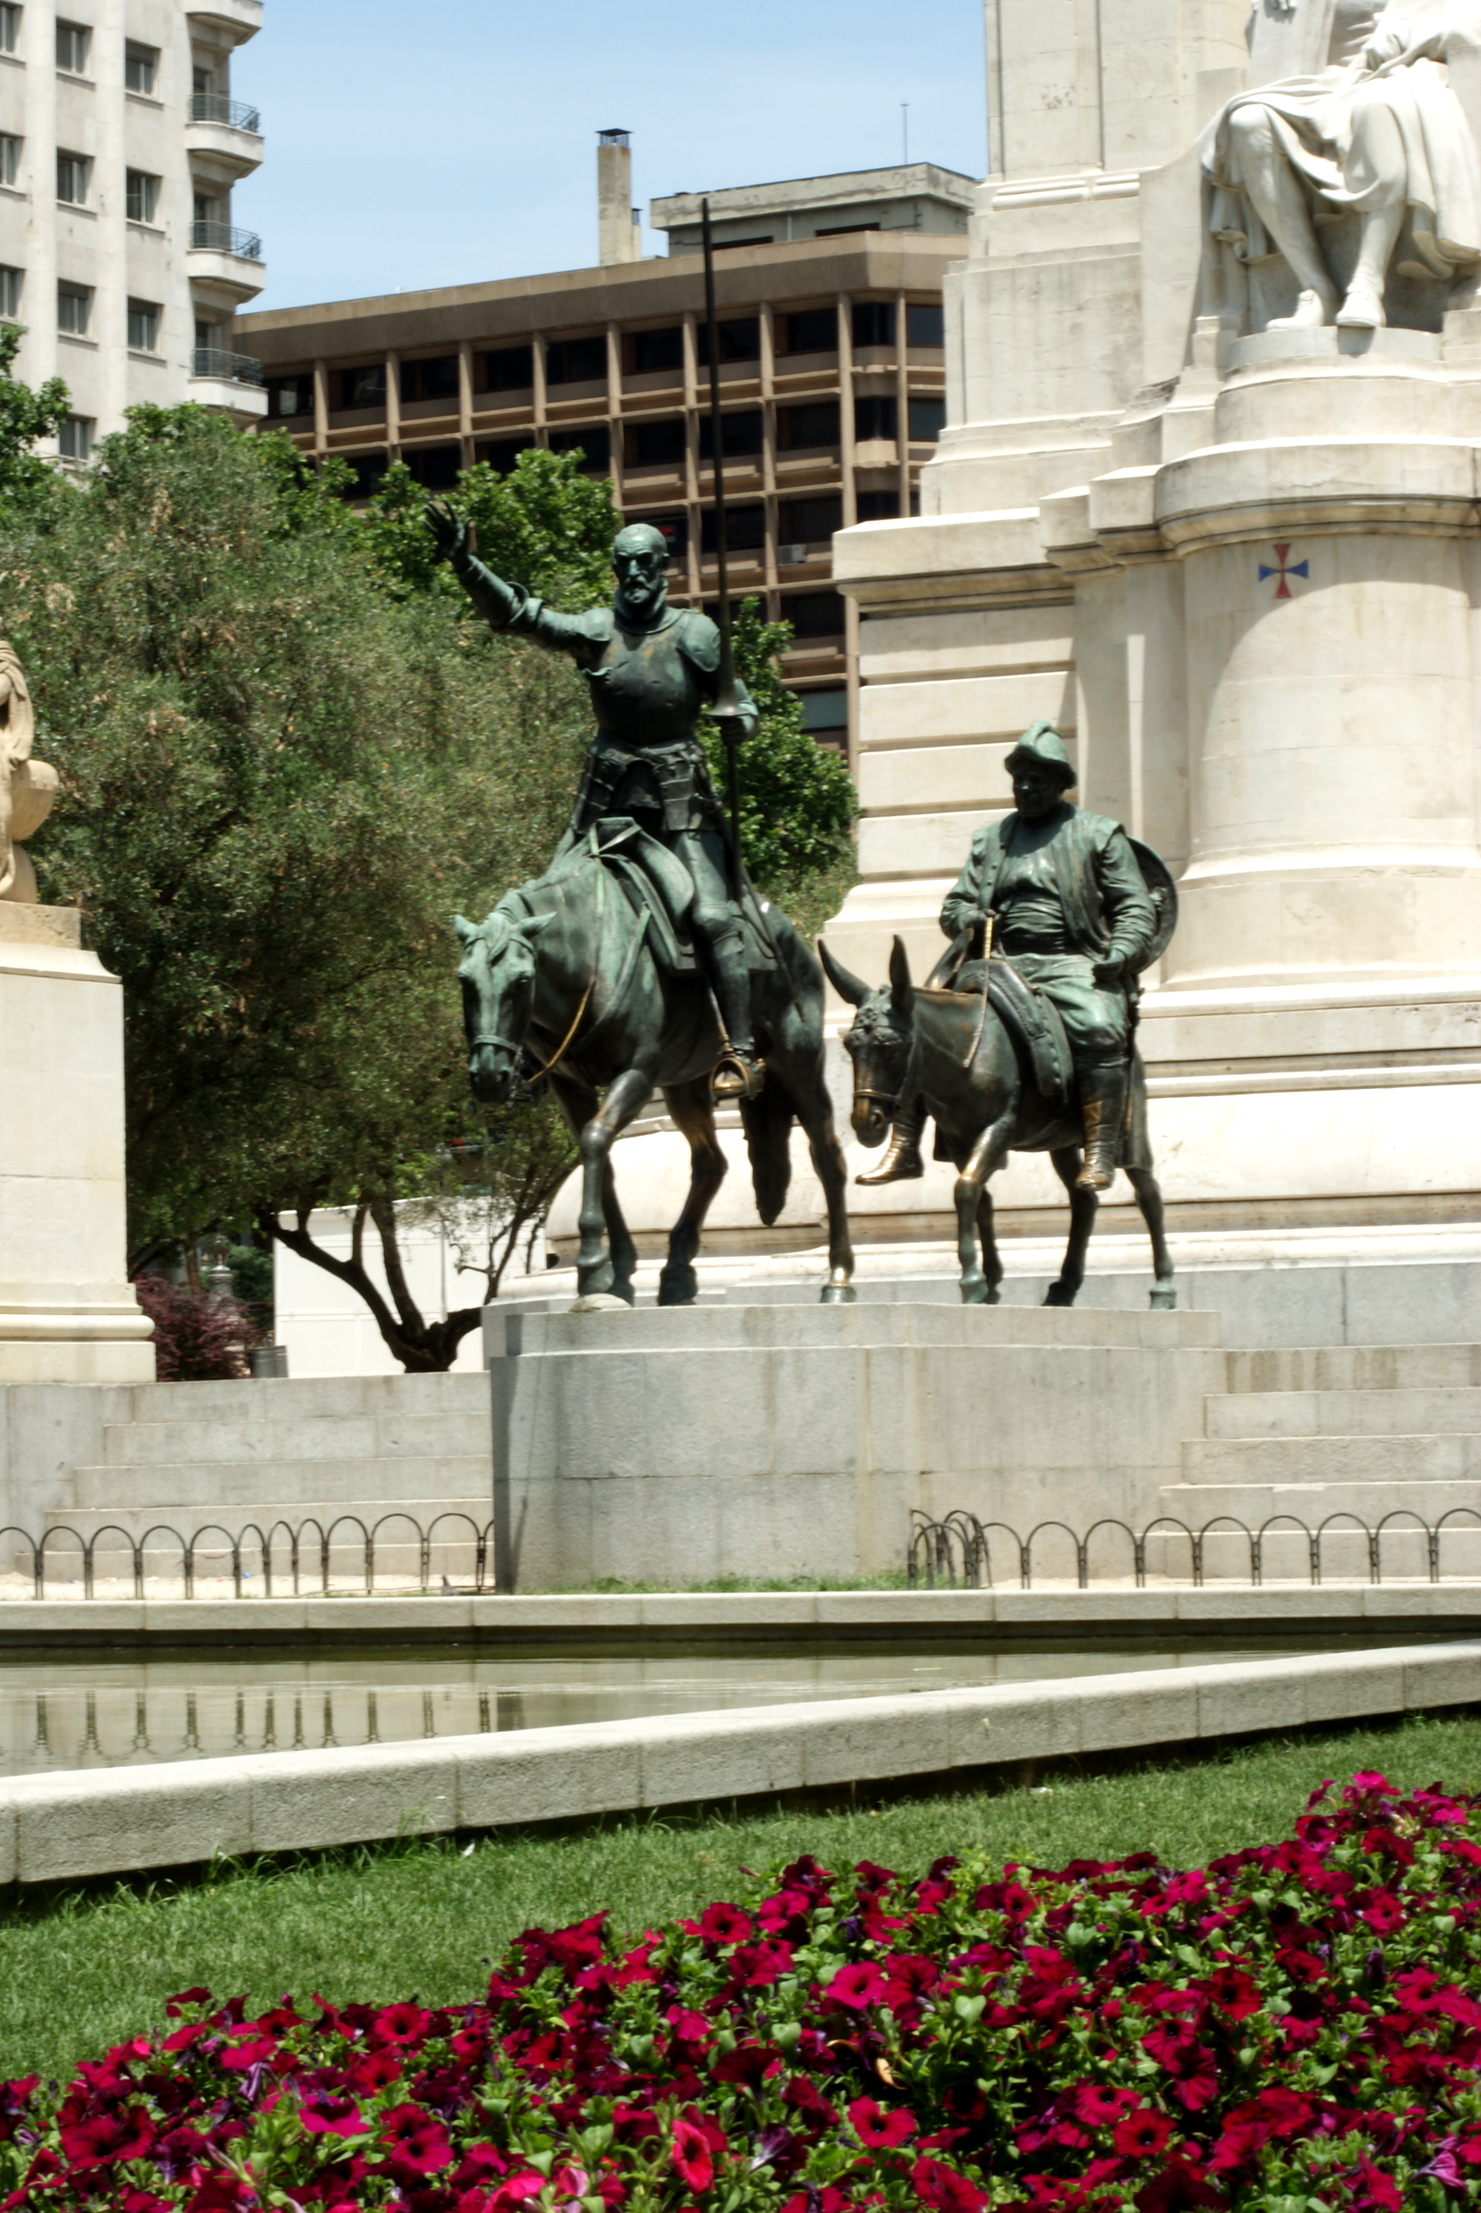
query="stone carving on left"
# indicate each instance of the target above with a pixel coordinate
(28, 787)
(1363, 172)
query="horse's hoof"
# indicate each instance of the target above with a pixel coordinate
(678, 1287)
(839, 1294)
(624, 1291)
(994, 1296)
(598, 1280)
(1164, 1298)
(975, 1291)
(1059, 1295)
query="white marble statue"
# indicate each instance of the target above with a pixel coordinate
(1377, 131)
(27, 787)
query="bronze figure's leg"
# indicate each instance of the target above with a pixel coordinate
(987, 1156)
(992, 1266)
(1103, 1091)
(827, 1160)
(902, 1163)
(1084, 1206)
(694, 1118)
(717, 926)
(1149, 1199)
(624, 1102)
(619, 1238)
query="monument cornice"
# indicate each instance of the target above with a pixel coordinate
(1228, 493)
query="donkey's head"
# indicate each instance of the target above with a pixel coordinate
(497, 973)
(880, 1042)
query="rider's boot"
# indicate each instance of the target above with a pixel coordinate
(739, 1072)
(902, 1163)
(1103, 1091)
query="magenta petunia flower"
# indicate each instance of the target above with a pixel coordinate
(1143, 2134)
(415, 2141)
(725, 1924)
(858, 1985)
(877, 2130)
(691, 2156)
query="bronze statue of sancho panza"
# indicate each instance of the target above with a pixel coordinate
(652, 671)
(1060, 893)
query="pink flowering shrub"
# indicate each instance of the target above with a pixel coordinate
(1293, 2028)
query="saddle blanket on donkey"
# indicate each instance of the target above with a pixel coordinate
(1037, 1029)
(657, 885)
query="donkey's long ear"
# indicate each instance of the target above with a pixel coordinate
(843, 980)
(902, 990)
(466, 931)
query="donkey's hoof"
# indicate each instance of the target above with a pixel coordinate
(838, 1294)
(1059, 1294)
(1164, 1298)
(678, 1287)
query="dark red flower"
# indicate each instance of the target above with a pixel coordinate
(691, 2156)
(857, 1986)
(877, 2130)
(415, 2142)
(942, 2186)
(1143, 2134)
(1098, 2106)
(724, 1924)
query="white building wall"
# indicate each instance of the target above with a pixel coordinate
(196, 151)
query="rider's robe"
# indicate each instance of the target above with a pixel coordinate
(647, 687)
(1066, 894)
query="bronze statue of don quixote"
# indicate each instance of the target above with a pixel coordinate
(643, 959)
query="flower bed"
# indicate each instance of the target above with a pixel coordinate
(1291, 2028)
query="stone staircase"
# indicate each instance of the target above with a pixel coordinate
(231, 1454)
(1363, 1431)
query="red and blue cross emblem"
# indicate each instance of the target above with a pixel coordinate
(1285, 571)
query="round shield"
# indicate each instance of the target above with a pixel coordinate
(1164, 896)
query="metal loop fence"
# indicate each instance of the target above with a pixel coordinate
(955, 1552)
(395, 1551)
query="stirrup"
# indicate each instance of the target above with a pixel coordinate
(737, 1076)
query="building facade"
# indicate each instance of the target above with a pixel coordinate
(120, 143)
(832, 374)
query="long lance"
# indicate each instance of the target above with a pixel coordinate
(726, 708)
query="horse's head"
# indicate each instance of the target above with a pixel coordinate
(880, 1042)
(497, 973)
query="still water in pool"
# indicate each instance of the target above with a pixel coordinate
(120, 1713)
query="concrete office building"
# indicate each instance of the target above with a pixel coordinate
(829, 294)
(120, 143)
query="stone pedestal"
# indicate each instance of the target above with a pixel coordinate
(680, 1444)
(67, 1310)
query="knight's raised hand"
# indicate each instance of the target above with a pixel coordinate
(448, 529)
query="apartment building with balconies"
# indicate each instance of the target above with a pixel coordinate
(120, 144)
(832, 376)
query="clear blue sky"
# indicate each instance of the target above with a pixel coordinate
(456, 140)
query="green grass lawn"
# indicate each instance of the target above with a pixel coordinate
(84, 1970)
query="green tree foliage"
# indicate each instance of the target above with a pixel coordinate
(544, 525)
(281, 780)
(25, 416)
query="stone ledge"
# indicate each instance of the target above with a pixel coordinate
(23, 924)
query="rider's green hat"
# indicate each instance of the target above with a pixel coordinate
(1043, 747)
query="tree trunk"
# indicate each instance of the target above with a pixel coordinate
(422, 1347)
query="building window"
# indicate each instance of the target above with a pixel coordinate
(674, 530)
(657, 445)
(75, 439)
(10, 30)
(814, 614)
(512, 369)
(10, 159)
(925, 326)
(745, 529)
(12, 286)
(592, 440)
(875, 416)
(811, 330)
(927, 421)
(501, 454)
(878, 507)
(364, 387)
(436, 468)
(874, 323)
(740, 431)
(143, 326)
(367, 473)
(825, 714)
(740, 340)
(74, 309)
(430, 380)
(650, 352)
(140, 68)
(73, 176)
(74, 42)
(576, 361)
(814, 424)
(288, 395)
(808, 522)
(141, 195)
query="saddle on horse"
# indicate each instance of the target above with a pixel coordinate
(657, 886)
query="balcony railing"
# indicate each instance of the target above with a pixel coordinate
(212, 107)
(224, 238)
(231, 368)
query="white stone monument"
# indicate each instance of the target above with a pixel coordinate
(1212, 507)
(68, 1313)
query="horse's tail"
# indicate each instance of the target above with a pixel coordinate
(767, 1122)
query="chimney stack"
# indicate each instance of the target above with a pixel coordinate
(618, 235)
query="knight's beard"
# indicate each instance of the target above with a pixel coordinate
(646, 610)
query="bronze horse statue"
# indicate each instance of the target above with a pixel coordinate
(952, 1048)
(563, 971)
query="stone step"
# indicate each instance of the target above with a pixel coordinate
(211, 1488)
(1311, 1502)
(300, 1399)
(1399, 1460)
(1356, 1368)
(1425, 1410)
(1403, 1547)
(401, 1436)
